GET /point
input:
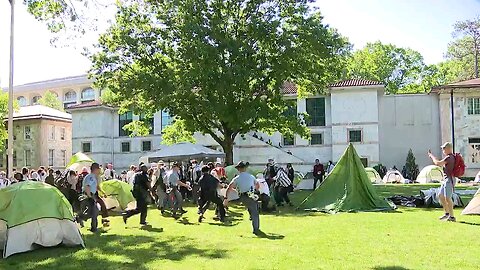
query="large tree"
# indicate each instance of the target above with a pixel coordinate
(467, 45)
(396, 67)
(219, 64)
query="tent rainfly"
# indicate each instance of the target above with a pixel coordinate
(473, 207)
(119, 195)
(34, 213)
(347, 188)
(373, 175)
(182, 151)
(430, 174)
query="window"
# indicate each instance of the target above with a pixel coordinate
(125, 147)
(316, 111)
(149, 122)
(63, 158)
(317, 139)
(288, 140)
(69, 99)
(62, 134)
(124, 119)
(15, 158)
(22, 101)
(355, 135)
(28, 158)
(35, 100)
(166, 119)
(51, 132)
(292, 109)
(473, 150)
(473, 106)
(50, 157)
(27, 133)
(86, 147)
(146, 145)
(88, 95)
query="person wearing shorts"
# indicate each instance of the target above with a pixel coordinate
(446, 189)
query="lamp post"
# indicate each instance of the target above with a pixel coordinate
(10, 93)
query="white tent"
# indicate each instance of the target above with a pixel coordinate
(473, 207)
(373, 175)
(393, 176)
(430, 174)
(182, 151)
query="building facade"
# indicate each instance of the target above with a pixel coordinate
(42, 137)
(383, 128)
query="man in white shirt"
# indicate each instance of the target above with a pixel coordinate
(3, 180)
(131, 174)
(264, 192)
(109, 173)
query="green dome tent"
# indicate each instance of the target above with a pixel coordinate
(373, 175)
(35, 213)
(78, 161)
(119, 194)
(347, 188)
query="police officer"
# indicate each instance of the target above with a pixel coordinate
(246, 185)
(208, 193)
(141, 185)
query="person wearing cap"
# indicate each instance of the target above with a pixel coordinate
(172, 180)
(246, 185)
(270, 171)
(208, 194)
(446, 189)
(141, 186)
(89, 188)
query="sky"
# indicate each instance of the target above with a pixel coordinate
(423, 25)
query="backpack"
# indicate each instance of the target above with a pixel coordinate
(459, 168)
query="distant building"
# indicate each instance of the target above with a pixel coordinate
(382, 127)
(42, 137)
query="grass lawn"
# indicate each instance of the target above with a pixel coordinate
(409, 238)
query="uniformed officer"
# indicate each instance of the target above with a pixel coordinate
(246, 185)
(141, 185)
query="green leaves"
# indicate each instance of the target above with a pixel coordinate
(177, 132)
(219, 65)
(49, 99)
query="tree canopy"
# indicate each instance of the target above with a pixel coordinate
(219, 65)
(177, 132)
(398, 68)
(51, 100)
(466, 48)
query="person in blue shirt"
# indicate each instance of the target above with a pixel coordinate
(246, 185)
(89, 189)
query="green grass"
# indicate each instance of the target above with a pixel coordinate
(409, 238)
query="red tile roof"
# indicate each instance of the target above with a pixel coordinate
(94, 103)
(289, 88)
(355, 82)
(473, 83)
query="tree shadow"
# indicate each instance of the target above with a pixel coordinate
(469, 223)
(113, 252)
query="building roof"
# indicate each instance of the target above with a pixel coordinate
(355, 82)
(90, 104)
(52, 84)
(473, 83)
(40, 111)
(290, 88)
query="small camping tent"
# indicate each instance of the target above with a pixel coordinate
(473, 207)
(346, 188)
(430, 174)
(393, 176)
(78, 161)
(35, 213)
(373, 175)
(119, 195)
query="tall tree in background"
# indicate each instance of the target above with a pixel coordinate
(411, 167)
(219, 65)
(177, 132)
(398, 68)
(49, 99)
(467, 46)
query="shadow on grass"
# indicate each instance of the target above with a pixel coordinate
(270, 236)
(186, 221)
(469, 223)
(113, 252)
(389, 268)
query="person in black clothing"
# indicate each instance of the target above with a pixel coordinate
(208, 193)
(141, 186)
(291, 176)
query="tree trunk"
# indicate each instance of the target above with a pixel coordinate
(227, 146)
(476, 63)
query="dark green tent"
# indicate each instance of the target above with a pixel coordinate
(347, 188)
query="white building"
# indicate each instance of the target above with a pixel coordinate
(382, 127)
